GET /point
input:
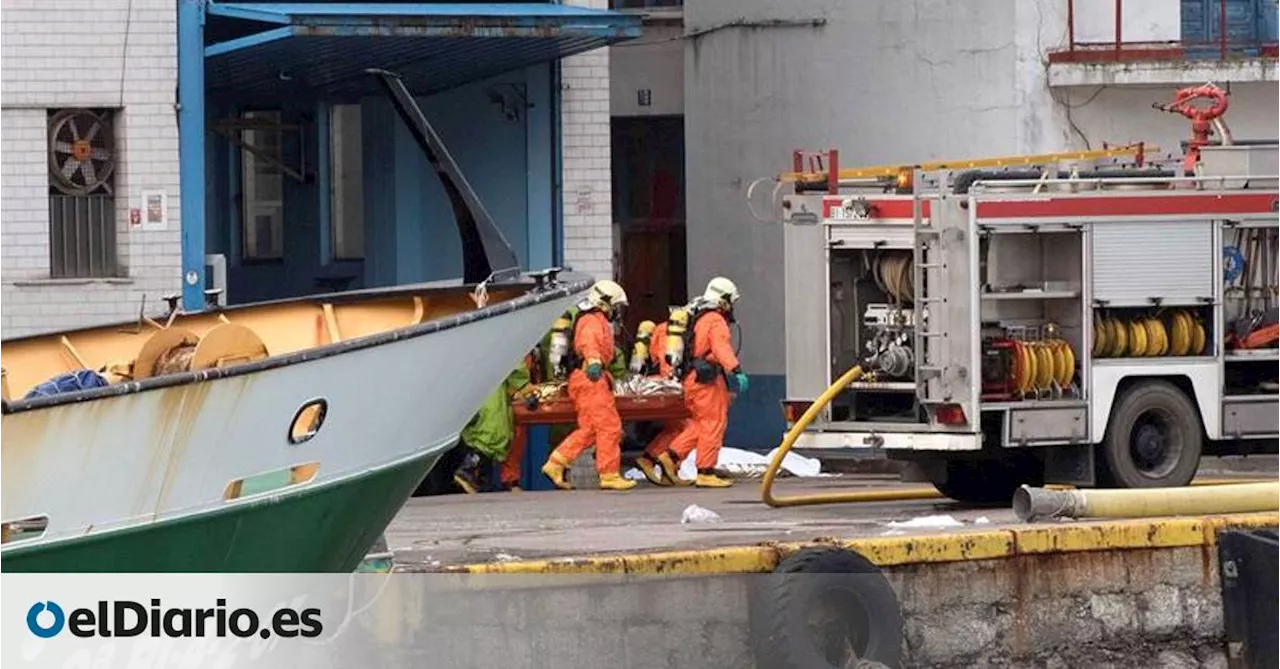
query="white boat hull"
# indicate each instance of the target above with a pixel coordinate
(118, 463)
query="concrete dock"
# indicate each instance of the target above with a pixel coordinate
(458, 529)
(636, 588)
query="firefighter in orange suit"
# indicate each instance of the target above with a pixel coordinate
(658, 450)
(591, 390)
(706, 392)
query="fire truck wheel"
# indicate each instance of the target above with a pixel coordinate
(825, 607)
(1153, 439)
(988, 482)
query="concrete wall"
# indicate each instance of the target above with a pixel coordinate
(586, 184)
(1123, 114)
(654, 62)
(113, 53)
(1118, 608)
(884, 82)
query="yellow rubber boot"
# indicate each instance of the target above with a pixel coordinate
(615, 482)
(555, 469)
(650, 471)
(670, 470)
(710, 480)
(467, 485)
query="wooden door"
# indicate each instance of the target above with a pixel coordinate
(646, 276)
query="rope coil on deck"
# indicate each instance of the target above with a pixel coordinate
(175, 360)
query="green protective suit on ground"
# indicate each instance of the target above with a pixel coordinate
(617, 369)
(490, 431)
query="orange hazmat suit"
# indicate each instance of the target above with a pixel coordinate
(598, 419)
(708, 403)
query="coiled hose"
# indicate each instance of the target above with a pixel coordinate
(893, 276)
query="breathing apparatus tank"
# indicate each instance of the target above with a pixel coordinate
(677, 323)
(559, 347)
(640, 352)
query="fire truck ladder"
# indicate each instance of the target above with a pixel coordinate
(926, 238)
(819, 176)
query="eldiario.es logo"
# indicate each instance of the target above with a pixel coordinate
(126, 618)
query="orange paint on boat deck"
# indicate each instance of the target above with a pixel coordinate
(231, 336)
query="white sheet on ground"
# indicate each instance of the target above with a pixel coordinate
(738, 461)
(927, 521)
(744, 463)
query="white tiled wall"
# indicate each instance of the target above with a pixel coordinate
(588, 203)
(117, 54)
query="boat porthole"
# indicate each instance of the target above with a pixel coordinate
(307, 421)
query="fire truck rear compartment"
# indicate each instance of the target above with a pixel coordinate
(1031, 294)
(867, 288)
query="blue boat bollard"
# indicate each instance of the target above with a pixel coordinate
(537, 450)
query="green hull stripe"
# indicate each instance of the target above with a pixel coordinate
(322, 529)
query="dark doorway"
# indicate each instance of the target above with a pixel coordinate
(649, 207)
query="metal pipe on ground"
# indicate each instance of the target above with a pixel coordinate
(1033, 504)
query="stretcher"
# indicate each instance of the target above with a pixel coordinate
(631, 408)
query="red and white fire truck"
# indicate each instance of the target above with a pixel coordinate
(1091, 318)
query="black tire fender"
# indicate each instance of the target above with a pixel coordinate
(782, 603)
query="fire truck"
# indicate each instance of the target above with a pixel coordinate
(1097, 318)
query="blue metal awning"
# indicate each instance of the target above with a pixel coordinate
(271, 50)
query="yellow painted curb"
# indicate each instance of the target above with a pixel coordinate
(733, 560)
(996, 543)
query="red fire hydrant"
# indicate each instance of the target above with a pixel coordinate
(1201, 118)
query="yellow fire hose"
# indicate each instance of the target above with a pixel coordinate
(766, 487)
(905, 494)
(1040, 504)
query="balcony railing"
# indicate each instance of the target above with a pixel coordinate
(1168, 30)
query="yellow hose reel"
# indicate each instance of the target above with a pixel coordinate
(1041, 365)
(1178, 333)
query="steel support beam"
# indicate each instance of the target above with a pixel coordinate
(191, 149)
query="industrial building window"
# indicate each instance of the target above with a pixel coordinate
(82, 203)
(346, 191)
(262, 185)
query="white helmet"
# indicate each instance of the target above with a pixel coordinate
(721, 292)
(606, 294)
